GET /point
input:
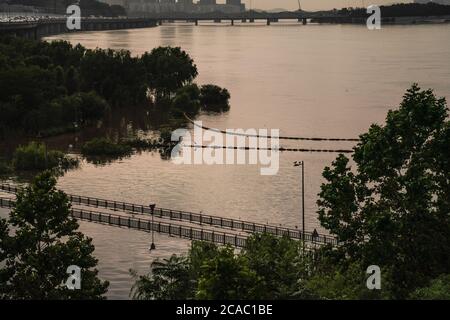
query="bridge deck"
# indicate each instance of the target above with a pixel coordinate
(192, 218)
(146, 225)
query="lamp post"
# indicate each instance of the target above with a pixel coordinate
(302, 164)
(152, 211)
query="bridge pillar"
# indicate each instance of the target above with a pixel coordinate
(160, 22)
(268, 22)
(232, 22)
(251, 20)
(305, 21)
(196, 22)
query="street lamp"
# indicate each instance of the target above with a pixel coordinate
(302, 164)
(152, 211)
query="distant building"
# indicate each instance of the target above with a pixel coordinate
(143, 7)
(445, 2)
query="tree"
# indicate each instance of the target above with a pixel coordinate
(227, 277)
(268, 267)
(438, 289)
(393, 210)
(45, 243)
(214, 98)
(278, 263)
(168, 69)
(72, 81)
(170, 280)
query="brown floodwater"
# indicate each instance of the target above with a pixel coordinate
(315, 80)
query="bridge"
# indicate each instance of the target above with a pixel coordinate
(248, 16)
(51, 26)
(183, 224)
(47, 27)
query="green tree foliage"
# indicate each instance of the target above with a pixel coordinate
(438, 289)
(44, 243)
(168, 69)
(227, 276)
(331, 281)
(267, 268)
(105, 147)
(393, 210)
(34, 156)
(187, 100)
(170, 280)
(214, 98)
(115, 75)
(48, 86)
(72, 80)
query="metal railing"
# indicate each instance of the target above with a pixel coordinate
(170, 229)
(233, 224)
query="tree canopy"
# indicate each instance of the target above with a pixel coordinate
(392, 210)
(169, 69)
(44, 243)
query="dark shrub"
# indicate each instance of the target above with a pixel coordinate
(214, 98)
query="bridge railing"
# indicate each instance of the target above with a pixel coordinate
(170, 229)
(198, 218)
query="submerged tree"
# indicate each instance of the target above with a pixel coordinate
(393, 210)
(168, 69)
(44, 243)
(214, 98)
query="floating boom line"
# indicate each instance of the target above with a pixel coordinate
(269, 137)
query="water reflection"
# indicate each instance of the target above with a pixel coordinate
(328, 80)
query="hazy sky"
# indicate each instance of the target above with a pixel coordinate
(314, 4)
